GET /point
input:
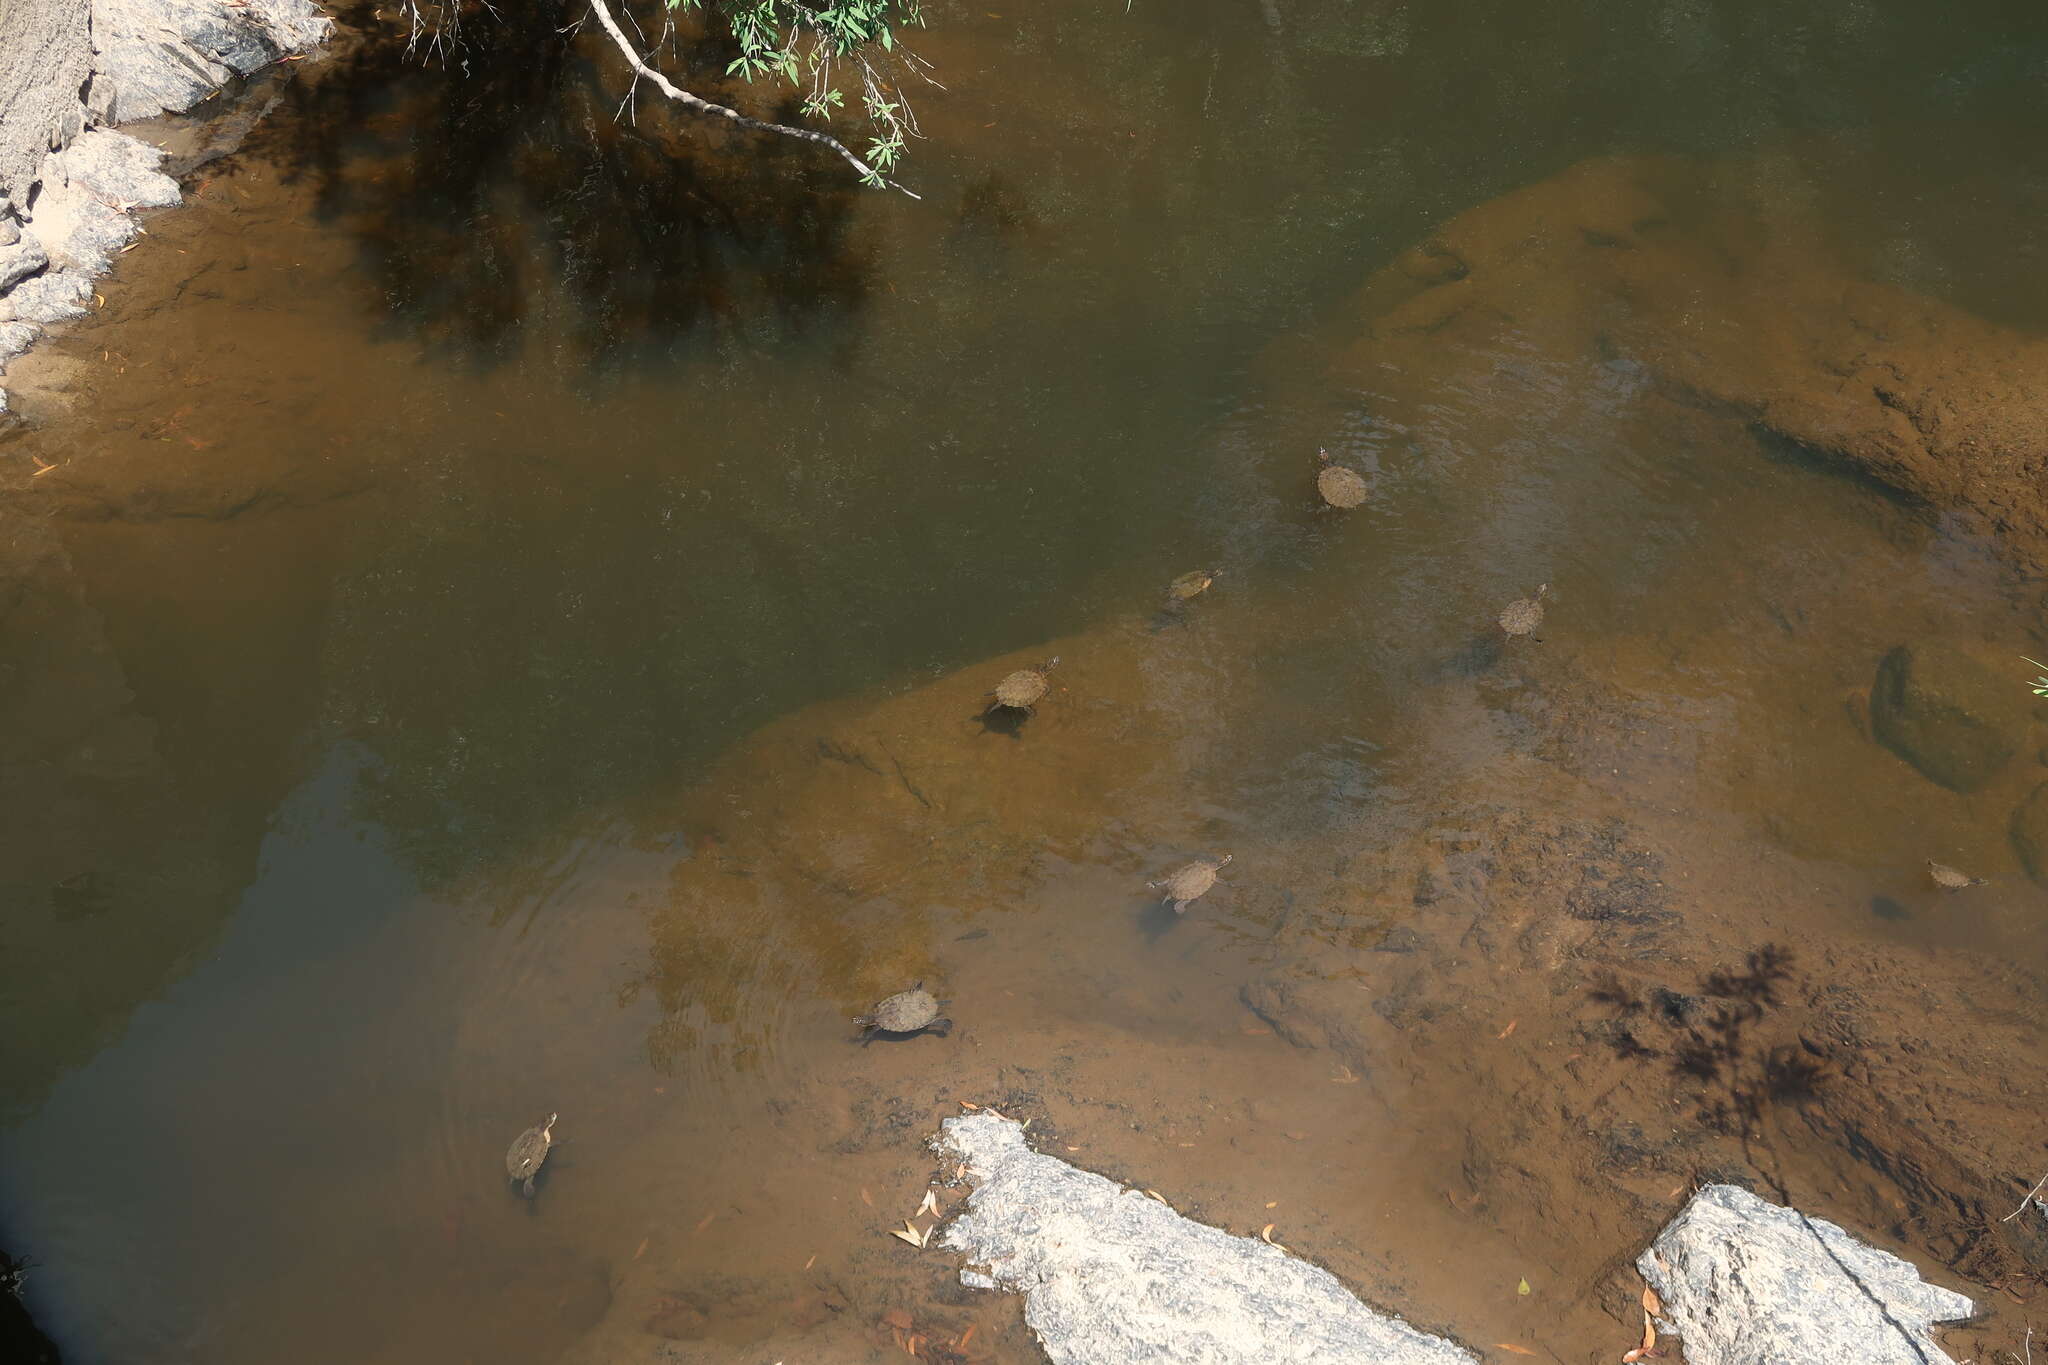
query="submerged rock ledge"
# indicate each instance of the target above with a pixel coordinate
(69, 187)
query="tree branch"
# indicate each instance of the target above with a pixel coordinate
(697, 104)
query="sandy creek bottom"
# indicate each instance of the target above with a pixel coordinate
(1425, 1026)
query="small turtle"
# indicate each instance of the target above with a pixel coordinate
(1340, 487)
(1524, 614)
(904, 1013)
(1191, 585)
(1021, 690)
(1188, 884)
(1951, 878)
(528, 1151)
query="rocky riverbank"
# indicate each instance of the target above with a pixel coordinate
(70, 186)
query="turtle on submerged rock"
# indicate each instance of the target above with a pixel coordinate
(528, 1151)
(902, 1014)
(1340, 487)
(1951, 878)
(1524, 614)
(1189, 883)
(1023, 689)
(1191, 585)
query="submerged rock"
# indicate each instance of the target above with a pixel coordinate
(1748, 1282)
(1112, 1277)
(1947, 715)
(2030, 833)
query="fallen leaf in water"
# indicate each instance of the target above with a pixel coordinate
(1522, 1288)
(1073, 1149)
(908, 1234)
(813, 1261)
(930, 1204)
(705, 1221)
(968, 1335)
(1183, 1144)
(1298, 1136)
(1345, 1076)
(1510, 1346)
(1651, 1303)
(641, 1250)
(1266, 1233)
(1255, 1030)
(969, 1104)
(896, 1318)
(867, 1198)
(1513, 1024)
(1272, 1203)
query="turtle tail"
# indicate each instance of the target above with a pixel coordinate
(529, 1187)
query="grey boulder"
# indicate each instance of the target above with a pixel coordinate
(1748, 1282)
(17, 262)
(56, 296)
(156, 55)
(1111, 1277)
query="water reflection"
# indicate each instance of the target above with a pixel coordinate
(518, 185)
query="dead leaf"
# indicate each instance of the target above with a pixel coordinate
(969, 1104)
(1298, 1136)
(1651, 1303)
(1272, 1203)
(1255, 1031)
(867, 1198)
(1511, 1347)
(897, 1319)
(968, 1335)
(1266, 1233)
(1345, 1075)
(1523, 1288)
(930, 1204)
(908, 1234)
(1513, 1024)
(641, 1250)
(813, 1261)
(705, 1221)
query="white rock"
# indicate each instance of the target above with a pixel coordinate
(54, 296)
(157, 55)
(1748, 1282)
(20, 260)
(1112, 1277)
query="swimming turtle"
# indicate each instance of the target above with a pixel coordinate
(1524, 614)
(1191, 585)
(1951, 878)
(1188, 883)
(528, 1150)
(904, 1013)
(1021, 691)
(1340, 487)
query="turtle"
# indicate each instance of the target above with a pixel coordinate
(1190, 882)
(1524, 614)
(1340, 487)
(528, 1151)
(1021, 691)
(1951, 878)
(1191, 584)
(904, 1013)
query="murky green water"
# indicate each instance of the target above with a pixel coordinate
(501, 469)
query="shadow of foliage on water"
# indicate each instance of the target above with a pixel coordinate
(515, 182)
(1710, 1038)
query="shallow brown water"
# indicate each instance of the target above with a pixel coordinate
(506, 632)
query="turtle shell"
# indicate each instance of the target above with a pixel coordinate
(1190, 584)
(905, 1012)
(529, 1149)
(1340, 487)
(1022, 688)
(1524, 614)
(1951, 878)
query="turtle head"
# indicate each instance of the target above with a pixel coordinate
(1322, 456)
(1050, 664)
(1541, 588)
(551, 1121)
(1224, 861)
